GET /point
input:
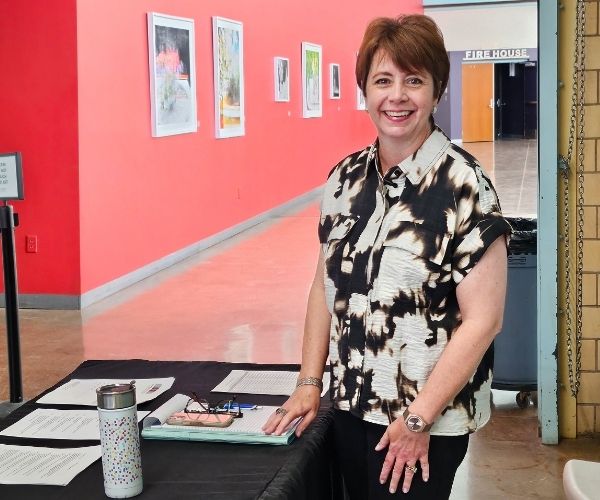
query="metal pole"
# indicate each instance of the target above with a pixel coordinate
(547, 243)
(7, 224)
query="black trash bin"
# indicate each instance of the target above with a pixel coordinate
(515, 347)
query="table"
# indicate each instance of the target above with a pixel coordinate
(182, 469)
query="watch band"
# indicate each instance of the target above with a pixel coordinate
(415, 423)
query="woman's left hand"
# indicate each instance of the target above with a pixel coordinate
(405, 448)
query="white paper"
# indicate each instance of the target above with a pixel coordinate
(161, 414)
(263, 382)
(83, 391)
(48, 466)
(44, 423)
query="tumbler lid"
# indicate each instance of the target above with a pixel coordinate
(116, 396)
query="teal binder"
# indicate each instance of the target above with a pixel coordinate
(181, 433)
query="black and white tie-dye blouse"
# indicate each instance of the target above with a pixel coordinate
(396, 247)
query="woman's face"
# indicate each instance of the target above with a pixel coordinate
(399, 103)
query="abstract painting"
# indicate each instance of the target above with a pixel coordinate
(360, 99)
(228, 54)
(312, 105)
(171, 56)
(334, 81)
(282, 79)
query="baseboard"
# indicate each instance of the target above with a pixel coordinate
(49, 301)
(45, 301)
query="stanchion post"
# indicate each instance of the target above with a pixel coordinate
(8, 222)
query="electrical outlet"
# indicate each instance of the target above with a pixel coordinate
(31, 244)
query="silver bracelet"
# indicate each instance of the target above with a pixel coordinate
(310, 381)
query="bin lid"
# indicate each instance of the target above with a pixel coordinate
(523, 238)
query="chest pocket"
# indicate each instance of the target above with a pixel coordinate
(424, 241)
(334, 233)
(336, 227)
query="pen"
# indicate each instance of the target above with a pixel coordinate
(242, 406)
(248, 406)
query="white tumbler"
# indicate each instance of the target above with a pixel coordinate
(120, 440)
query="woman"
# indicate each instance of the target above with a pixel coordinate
(410, 283)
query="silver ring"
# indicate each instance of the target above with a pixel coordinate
(281, 411)
(411, 468)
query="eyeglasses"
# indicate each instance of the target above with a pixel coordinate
(223, 407)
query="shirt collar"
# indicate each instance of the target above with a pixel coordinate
(416, 166)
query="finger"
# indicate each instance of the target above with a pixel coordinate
(408, 477)
(396, 475)
(304, 423)
(275, 419)
(383, 442)
(271, 424)
(284, 422)
(424, 468)
(388, 463)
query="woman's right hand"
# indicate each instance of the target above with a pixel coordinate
(304, 402)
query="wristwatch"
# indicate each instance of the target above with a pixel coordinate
(415, 423)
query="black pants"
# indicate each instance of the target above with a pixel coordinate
(360, 464)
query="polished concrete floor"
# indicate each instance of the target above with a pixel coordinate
(512, 166)
(244, 300)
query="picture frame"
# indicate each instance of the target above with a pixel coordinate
(228, 68)
(312, 95)
(281, 72)
(361, 104)
(334, 81)
(172, 62)
(11, 177)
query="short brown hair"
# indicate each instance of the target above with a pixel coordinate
(413, 43)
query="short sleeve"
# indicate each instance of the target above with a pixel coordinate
(328, 204)
(479, 222)
(324, 229)
(325, 221)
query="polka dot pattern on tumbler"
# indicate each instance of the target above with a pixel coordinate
(122, 465)
(121, 460)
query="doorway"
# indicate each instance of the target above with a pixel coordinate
(547, 262)
(515, 99)
(477, 102)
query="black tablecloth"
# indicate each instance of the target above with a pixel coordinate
(183, 469)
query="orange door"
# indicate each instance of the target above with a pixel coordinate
(477, 102)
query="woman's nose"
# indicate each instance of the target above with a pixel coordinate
(398, 92)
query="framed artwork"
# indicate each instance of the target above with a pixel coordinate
(360, 99)
(281, 71)
(312, 103)
(171, 55)
(11, 177)
(228, 64)
(334, 81)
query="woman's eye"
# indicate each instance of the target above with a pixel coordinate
(382, 81)
(415, 81)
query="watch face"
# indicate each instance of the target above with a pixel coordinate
(414, 423)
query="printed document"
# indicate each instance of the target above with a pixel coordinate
(83, 391)
(276, 383)
(48, 466)
(44, 423)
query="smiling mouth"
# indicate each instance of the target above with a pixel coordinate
(397, 114)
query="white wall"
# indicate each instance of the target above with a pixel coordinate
(504, 26)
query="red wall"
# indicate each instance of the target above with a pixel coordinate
(38, 103)
(142, 197)
(104, 197)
